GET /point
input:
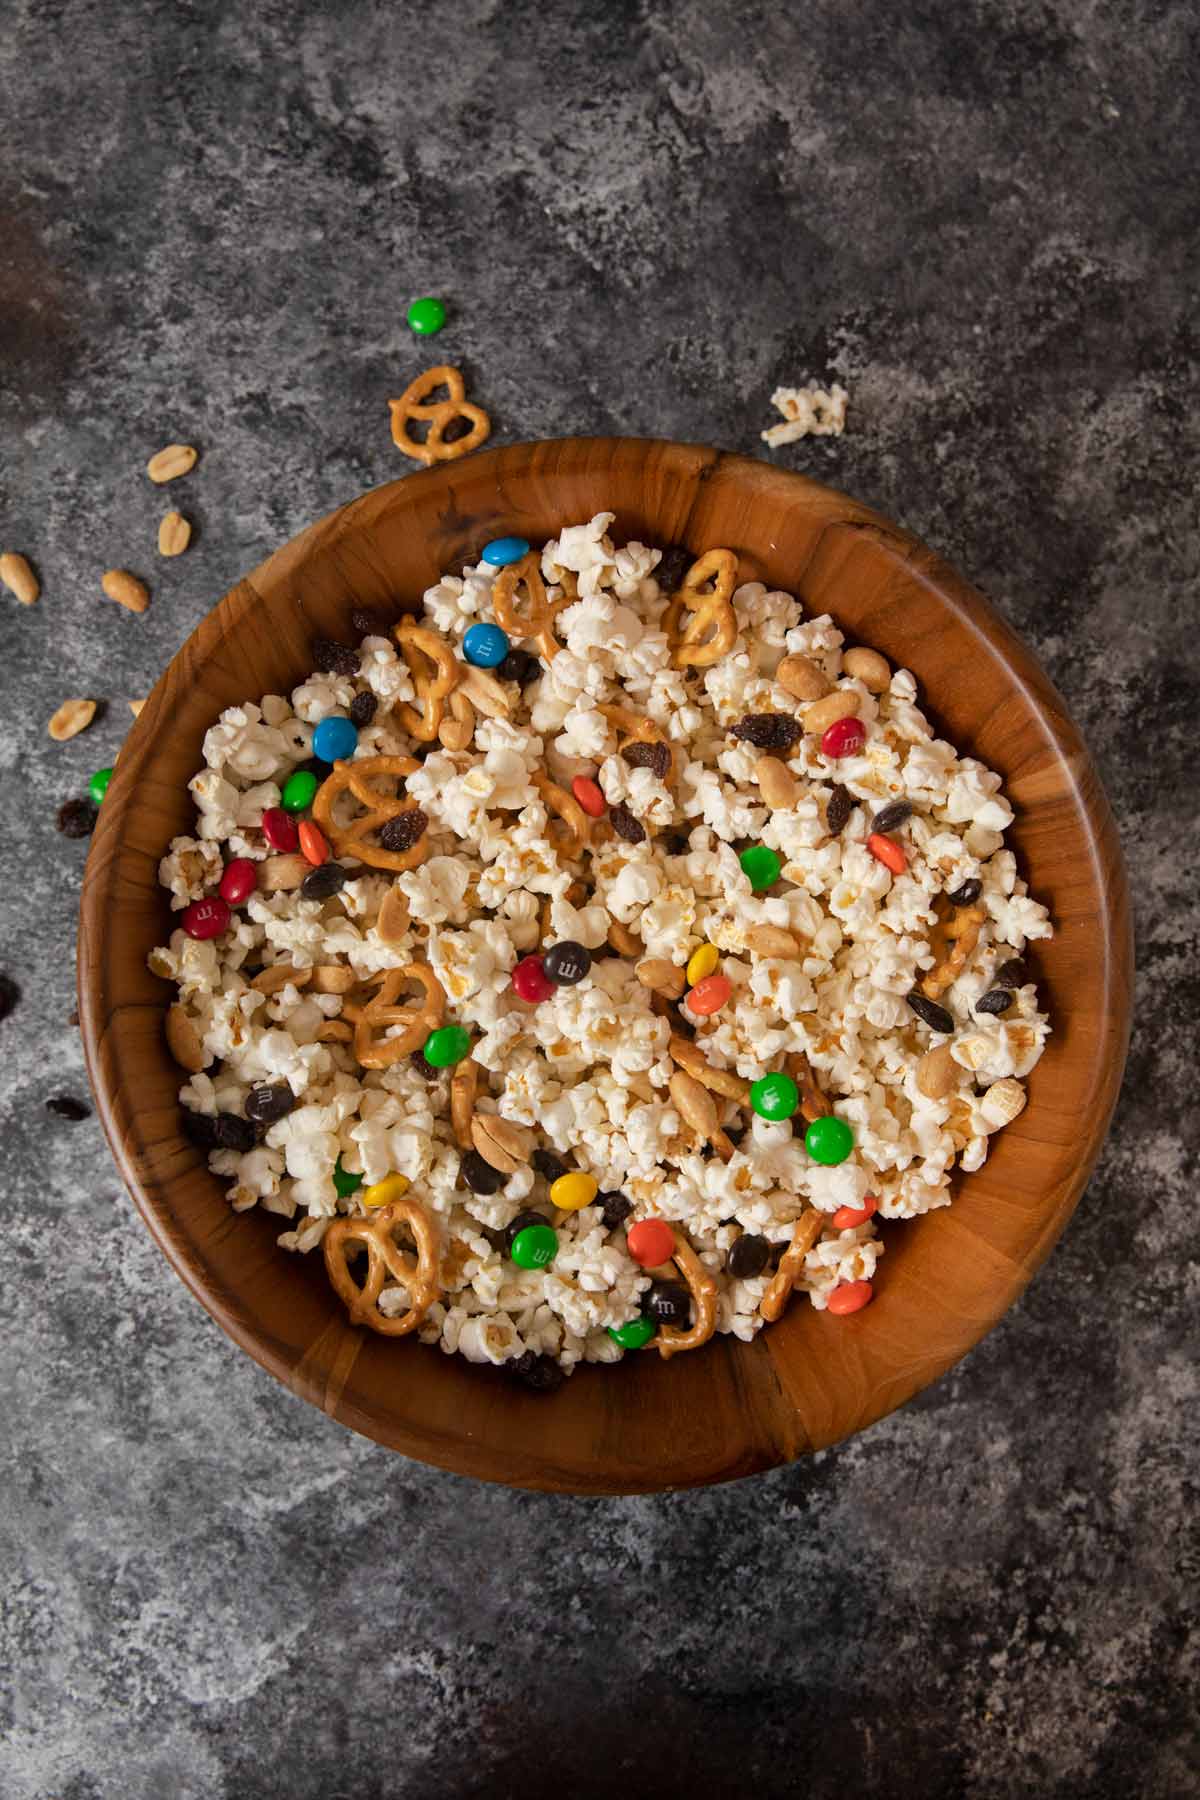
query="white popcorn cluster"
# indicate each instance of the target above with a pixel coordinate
(588, 1069)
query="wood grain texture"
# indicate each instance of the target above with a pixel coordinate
(730, 1409)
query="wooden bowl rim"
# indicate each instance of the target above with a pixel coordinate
(970, 613)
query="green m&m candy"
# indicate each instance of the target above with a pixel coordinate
(426, 316)
(299, 789)
(447, 1046)
(98, 785)
(534, 1247)
(829, 1140)
(761, 867)
(344, 1182)
(635, 1334)
(774, 1096)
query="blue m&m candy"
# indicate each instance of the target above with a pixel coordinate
(335, 739)
(502, 551)
(486, 646)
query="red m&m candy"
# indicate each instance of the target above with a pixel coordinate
(850, 1297)
(650, 1242)
(238, 881)
(845, 737)
(589, 794)
(847, 1217)
(205, 918)
(531, 982)
(279, 829)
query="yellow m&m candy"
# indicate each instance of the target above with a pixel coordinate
(574, 1190)
(702, 962)
(382, 1193)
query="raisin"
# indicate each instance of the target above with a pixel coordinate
(362, 708)
(626, 826)
(10, 993)
(367, 623)
(676, 843)
(616, 1210)
(648, 756)
(77, 818)
(519, 666)
(521, 1223)
(548, 1166)
(1012, 974)
(769, 731)
(200, 1129)
(935, 1016)
(64, 1107)
(998, 1001)
(967, 894)
(333, 658)
(841, 805)
(314, 766)
(424, 1067)
(888, 817)
(234, 1133)
(269, 1101)
(674, 564)
(541, 1374)
(323, 883)
(406, 829)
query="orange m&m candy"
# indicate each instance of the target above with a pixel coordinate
(850, 1297)
(887, 851)
(709, 995)
(589, 794)
(650, 1242)
(312, 843)
(847, 1217)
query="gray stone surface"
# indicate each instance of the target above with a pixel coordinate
(982, 218)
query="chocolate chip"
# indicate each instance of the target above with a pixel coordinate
(333, 658)
(935, 1016)
(648, 756)
(519, 666)
(64, 1107)
(841, 805)
(200, 1129)
(405, 830)
(566, 963)
(323, 883)
(998, 1001)
(676, 843)
(315, 766)
(888, 817)
(667, 1303)
(541, 1374)
(748, 1257)
(676, 560)
(521, 1223)
(77, 818)
(423, 1066)
(479, 1175)
(626, 826)
(234, 1133)
(769, 731)
(10, 993)
(616, 1210)
(367, 623)
(548, 1166)
(967, 894)
(362, 708)
(269, 1101)
(1013, 974)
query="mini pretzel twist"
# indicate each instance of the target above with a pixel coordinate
(456, 732)
(414, 403)
(813, 1104)
(689, 1056)
(557, 800)
(633, 729)
(384, 1258)
(670, 1339)
(381, 1011)
(805, 1232)
(537, 622)
(953, 939)
(710, 611)
(421, 647)
(350, 840)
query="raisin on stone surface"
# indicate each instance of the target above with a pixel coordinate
(10, 993)
(64, 1107)
(76, 818)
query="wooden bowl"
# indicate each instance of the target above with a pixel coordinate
(731, 1408)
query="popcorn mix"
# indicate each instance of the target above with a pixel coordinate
(594, 964)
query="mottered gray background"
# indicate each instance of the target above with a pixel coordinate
(982, 219)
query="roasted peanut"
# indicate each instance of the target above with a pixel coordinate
(19, 578)
(72, 717)
(800, 677)
(126, 590)
(183, 1041)
(661, 976)
(869, 667)
(174, 534)
(501, 1143)
(776, 783)
(843, 703)
(937, 1073)
(171, 463)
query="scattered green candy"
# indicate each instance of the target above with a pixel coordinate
(344, 1182)
(635, 1334)
(426, 316)
(829, 1140)
(534, 1247)
(298, 790)
(774, 1096)
(447, 1046)
(98, 785)
(760, 866)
